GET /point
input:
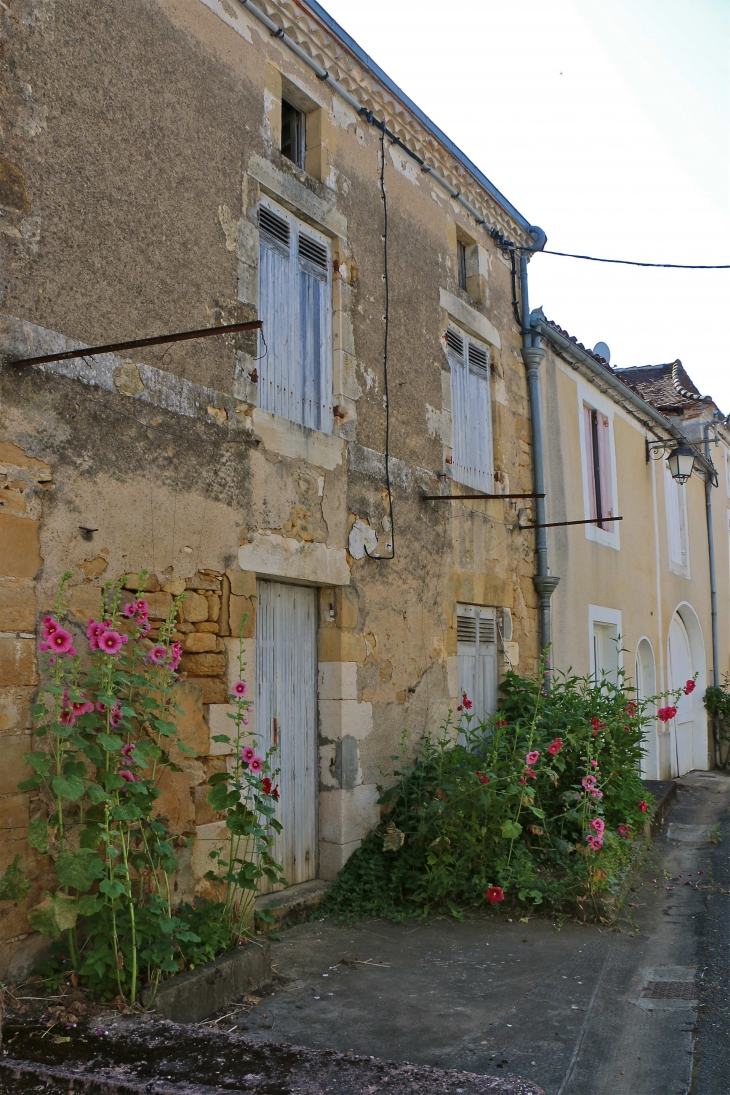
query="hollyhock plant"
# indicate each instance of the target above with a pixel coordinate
(110, 642)
(532, 757)
(597, 825)
(256, 765)
(494, 895)
(555, 746)
(666, 714)
(689, 687)
(247, 754)
(60, 641)
(158, 655)
(240, 688)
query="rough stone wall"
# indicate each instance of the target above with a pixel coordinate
(131, 168)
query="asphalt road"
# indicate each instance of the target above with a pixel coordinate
(579, 1010)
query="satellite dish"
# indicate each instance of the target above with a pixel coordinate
(602, 350)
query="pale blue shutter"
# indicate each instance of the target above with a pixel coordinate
(295, 304)
(476, 636)
(471, 413)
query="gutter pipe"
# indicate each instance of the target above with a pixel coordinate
(533, 354)
(280, 34)
(711, 551)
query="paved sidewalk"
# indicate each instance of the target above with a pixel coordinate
(584, 1010)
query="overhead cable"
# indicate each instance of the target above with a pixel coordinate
(630, 262)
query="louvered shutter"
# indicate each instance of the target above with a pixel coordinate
(471, 413)
(295, 306)
(476, 635)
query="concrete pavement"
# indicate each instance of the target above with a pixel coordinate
(579, 1010)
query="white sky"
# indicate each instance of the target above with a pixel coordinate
(607, 123)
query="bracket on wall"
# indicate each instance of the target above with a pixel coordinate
(461, 497)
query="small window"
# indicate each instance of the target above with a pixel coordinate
(598, 448)
(461, 263)
(293, 129)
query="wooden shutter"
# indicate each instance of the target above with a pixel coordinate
(471, 412)
(590, 459)
(604, 469)
(295, 304)
(476, 635)
(286, 716)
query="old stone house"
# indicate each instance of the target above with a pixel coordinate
(171, 165)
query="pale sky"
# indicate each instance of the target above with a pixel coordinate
(606, 123)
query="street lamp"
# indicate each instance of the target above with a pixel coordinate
(681, 462)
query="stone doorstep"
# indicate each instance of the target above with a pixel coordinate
(197, 994)
(290, 905)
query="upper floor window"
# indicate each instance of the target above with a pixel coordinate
(293, 133)
(471, 411)
(676, 505)
(600, 487)
(461, 263)
(295, 304)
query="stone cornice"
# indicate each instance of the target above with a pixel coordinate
(328, 51)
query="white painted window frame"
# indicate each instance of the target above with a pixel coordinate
(606, 617)
(590, 397)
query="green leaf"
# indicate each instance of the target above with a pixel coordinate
(96, 793)
(186, 749)
(220, 798)
(79, 869)
(70, 787)
(54, 915)
(112, 781)
(127, 811)
(111, 743)
(221, 737)
(511, 830)
(89, 904)
(13, 883)
(111, 887)
(218, 777)
(38, 834)
(29, 784)
(39, 762)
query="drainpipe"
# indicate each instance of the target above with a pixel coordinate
(711, 550)
(532, 355)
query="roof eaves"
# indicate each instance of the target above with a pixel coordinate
(350, 44)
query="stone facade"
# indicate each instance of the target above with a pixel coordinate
(133, 164)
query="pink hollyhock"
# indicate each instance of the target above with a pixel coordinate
(594, 763)
(256, 765)
(643, 806)
(142, 606)
(44, 646)
(81, 708)
(158, 655)
(555, 747)
(597, 794)
(531, 757)
(494, 895)
(110, 642)
(129, 610)
(523, 782)
(129, 776)
(67, 717)
(594, 842)
(529, 773)
(247, 754)
(115, 715)
(631, 708)
(175, 655)
(61, 641)
(597, 824)
(589, 782)
(50, 625)
(689, 687)
(128, 749)
(240, 688)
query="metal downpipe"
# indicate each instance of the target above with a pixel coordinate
(713, 576)
(532, 355)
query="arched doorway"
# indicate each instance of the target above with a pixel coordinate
(655, 763)
(686, 657)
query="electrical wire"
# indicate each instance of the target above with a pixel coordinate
(386, 319)
(630, 262)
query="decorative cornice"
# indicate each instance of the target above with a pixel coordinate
(330, 53)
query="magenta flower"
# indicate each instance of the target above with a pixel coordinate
(128, 749)
(115, 715)
(256, 765)
(129, 776)
(67, 717)
(110, 642)
(50, 625)
(81, 707)
(129, 610)
(158, 655)
(240, 688)
(248, 754)
(531, 758)
(61, 641)
(142, 606)
(594, 842)
(597, 794)
(99, 706)
(44, 646)
(589, 782)
(597, 825)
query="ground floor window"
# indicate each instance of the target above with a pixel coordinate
(476, 631)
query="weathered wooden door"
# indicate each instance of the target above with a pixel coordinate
(286, 715)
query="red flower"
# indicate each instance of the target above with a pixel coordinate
(643, 806)
(467, 704)
(494, 895)
(596, 723)
(664, 714)
(485, 779)
(624, 831)
(689, 687)
(266, 785)
(555, 747)
(631, 708)
(275, 792)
